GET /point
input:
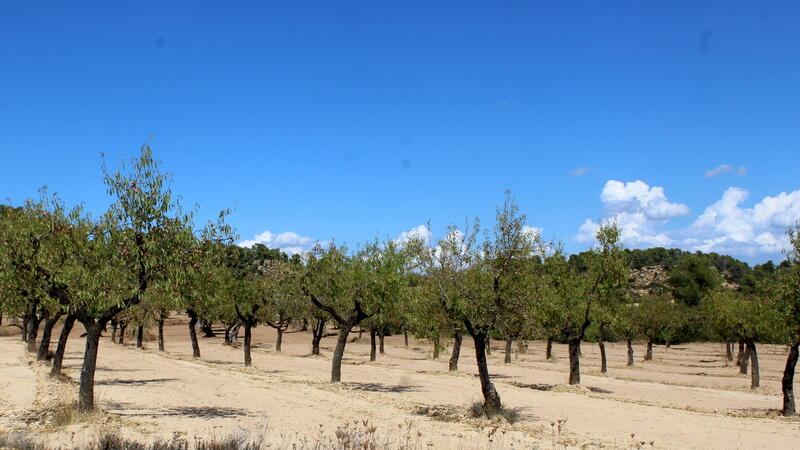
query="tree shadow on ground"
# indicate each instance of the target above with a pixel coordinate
(136, 382)
(494, 375)
(380, 387)
(551, 387)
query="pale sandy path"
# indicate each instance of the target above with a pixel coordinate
(288, 392)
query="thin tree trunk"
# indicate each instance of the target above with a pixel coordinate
(193, 334)
(728, 351)
(436, 347)
(787, 383)
(405, 337)
(228, 334)
(489, 345)
(648, 355)
(114, 331)
(507, 359)
(86, 389)
(47, 332)
(235, 333)
(338, 353)
(247, 337)
(630, 351)
(457, 338)
(305, 325)
(161, 334)
(372, 344)
(549, 349)
(491, 399)
(140, 336)
(574, 361)
(279, 342)
(381, 338)
(755, 375)
(58, 357)
(360, 332)
(207, 330)
(603, 360)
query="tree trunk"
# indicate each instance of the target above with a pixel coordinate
(729, 351)
(228, 334)
(740, 353)
(381, 338)
(33, 331)
(122, 327)
(574, 361)
(338, 353)
(507, 359)
(755, 375)
(489, 345)
(457, 338)
(235, 333)
(603, 360)
(279, 342)
(207, 330)
(161, 334)
(247, 337)
(316, 335)
(436, 347)
(549, 349)
(648, 355)
(193, 334)
(58, 357)
(491, 400)
(787, 383)
(405, 337)
(360, 332)
(114, 331)
(86, 389)
(140, 336)
(745, 361)
(372, 334)
(47, 332)
(305, 325)
(630, 351)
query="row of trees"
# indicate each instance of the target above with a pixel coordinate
(144, 259)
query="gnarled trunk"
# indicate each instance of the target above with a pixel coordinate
(755, 374)
(787, 383)
(47, 332)
(549, 349)
(457, 338)
(507, 359)
(316, 335)
(338, 353)
(247, 337)
(86, 389)
(193, 333)
(58, 357)
(630, 351)
(491, 399)
(574, 361)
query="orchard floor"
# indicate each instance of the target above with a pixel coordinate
(688, 397)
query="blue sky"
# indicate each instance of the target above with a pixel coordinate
(352, 120)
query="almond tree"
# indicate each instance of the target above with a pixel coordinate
(353, 288)
(789, 308)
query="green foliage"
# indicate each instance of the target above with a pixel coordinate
(692, 278)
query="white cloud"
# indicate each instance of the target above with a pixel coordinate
(724, 168)
(580, 171)
(723, 227)
(420, 231)
(288, 242)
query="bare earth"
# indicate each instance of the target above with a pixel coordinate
(689, 397)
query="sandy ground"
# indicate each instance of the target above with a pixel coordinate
(688, 397)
